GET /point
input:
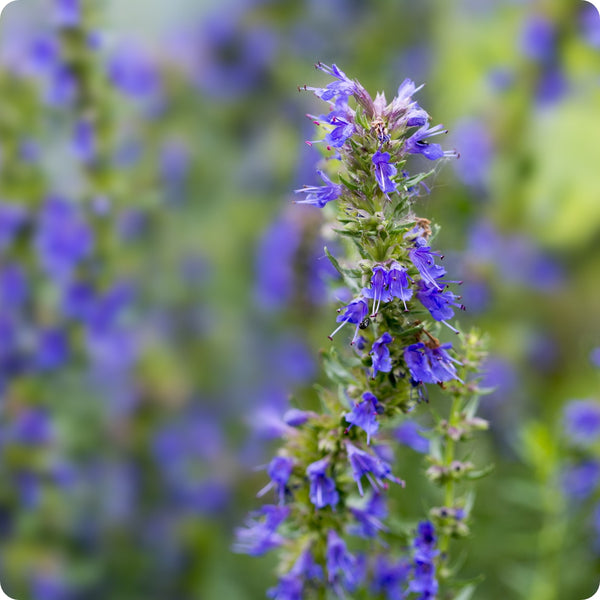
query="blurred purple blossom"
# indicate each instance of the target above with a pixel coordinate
(14, 286)
(475, 146)
(67, 13)
(84, 142)
(516, 257)
(580, 480)
(63, 238)
(538, 38)
(275, 264)
(582, 421)
(12, 218)
(224, 55)
(133, 71)
(409, 434)
(31, 427)
(589, 24)
(52, 349)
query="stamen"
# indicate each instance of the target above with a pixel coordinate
(343, 323)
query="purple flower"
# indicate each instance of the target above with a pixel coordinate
(355, 313)
(320, 195)
(369, 520)
(339, 90)
(12, 219)
(295, 417)
(78, 300)
(29, 151)
(364, 415)
(279, 470)
(259, 535)
(438, 302)
(132, 71)
(43, 55)
(417, 361)
(112, 350)
(52, 349)
(423, 579)
(384, 171)
(474, 143)
(341, 565)
(67, 13)
(389, 578)
(430, 365)
(291, 359)
(380, 354)
(322, 487)
(342, 130)
(31, 427)
(398, 283)
(582, 421)
(415, 144)
(538, 38)
(63, 239)
(425, 540)
(580, 480)
(442, 364)
(84, 141)
(378, 291)
(61, 87)
(275, 263)
(174, 163)
(552, 85)
(423, 259)
(14, 288)
(369, 465)
(408, 433)
(589, 25)
(48, 585)
(291, 585)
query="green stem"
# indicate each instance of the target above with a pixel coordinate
(449, 455)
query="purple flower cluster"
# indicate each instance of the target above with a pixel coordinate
(423, 580)
(341, 126)
(430, 364)
(321, 470)
(371, 466)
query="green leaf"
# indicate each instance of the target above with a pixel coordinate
(466, 593)
(334, 262)
(481, 472)
(350, 186)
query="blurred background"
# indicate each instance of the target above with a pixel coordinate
(162, 301)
